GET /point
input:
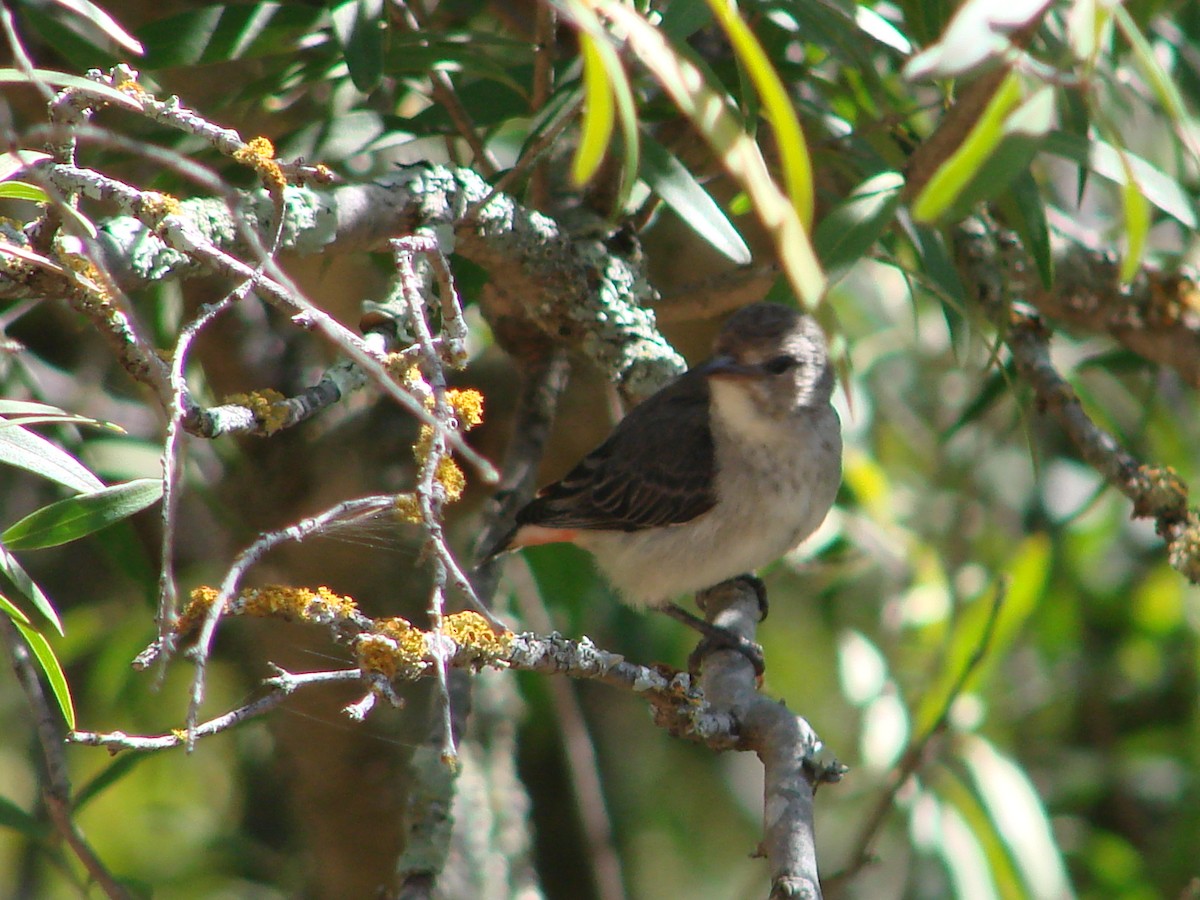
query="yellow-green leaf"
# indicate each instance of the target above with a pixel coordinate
(793, 151)
(599, 113)
(952, 177)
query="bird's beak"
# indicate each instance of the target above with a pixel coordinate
(728, 367)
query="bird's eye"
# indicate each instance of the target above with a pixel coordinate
(779, 364)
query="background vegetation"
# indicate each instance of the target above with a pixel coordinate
(965, 173)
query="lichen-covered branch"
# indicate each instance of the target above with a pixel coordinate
(993, 264)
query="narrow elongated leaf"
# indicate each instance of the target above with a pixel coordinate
(1025, 210)
(48, 663)
(1019, 816)
(16, 574)
(72, 518)
(13, 611)
(670, 179)
(225, 32)
(356, 25)
(21, 190)
(93, 18)
(714, 118)
(953, 176)
(1116, 165)
(853, 226)
(1136, 209)
(12, 816)
(793, 150)
(62, 79)
(32, 452)
(599, 112)
(106, 777)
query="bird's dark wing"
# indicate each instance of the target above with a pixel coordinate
(656, 468)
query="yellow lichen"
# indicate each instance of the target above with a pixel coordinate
(268, 407)
(199, 602)
(468, 406)
(259, 154)
(405, 653)
(411, 642)
(408, 509)
(158, 206)
(451, 478)
(471, 630)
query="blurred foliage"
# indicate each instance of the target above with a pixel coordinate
(1067, 763)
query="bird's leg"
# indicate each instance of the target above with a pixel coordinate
(715, 638)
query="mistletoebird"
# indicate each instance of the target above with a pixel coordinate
(722, 471)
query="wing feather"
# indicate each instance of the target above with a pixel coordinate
(657, 468)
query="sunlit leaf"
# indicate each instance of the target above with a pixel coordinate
(22, 448)
(62, 79)
(1116, 165)
(778, 106)
(223, 32)
(72, 518)
(357, 27)
(853, 226)
(20, 190)
(19, 578)
(714, 118)
(1136, 210)
(96, 21)
(599, 114)
(671, 180)
(48, 663)
(952, 177)
(1019, 816)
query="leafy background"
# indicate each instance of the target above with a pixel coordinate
(1068, 765)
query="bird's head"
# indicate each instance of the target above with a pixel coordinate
(775, 354)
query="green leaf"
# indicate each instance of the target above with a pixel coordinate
(27, 412)
(1118, 165)
(997, 386)
(95, 25)
(1018, 815)
(48, 663)
(21, 190)
(32, 452)
(13, 611)
(20, 579)
(671, 180)
(61, 79)
(853, 226)
(721, 128)
(357, 27)
(599, 112)
(952, 177)
(778, 106)
(1025, 210)
(1136, 209)
(72, 518)
(12, 816)
(225, 32)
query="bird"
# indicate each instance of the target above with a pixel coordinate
(722, 471)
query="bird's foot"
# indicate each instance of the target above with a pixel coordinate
(717, 638)
(755, 584)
